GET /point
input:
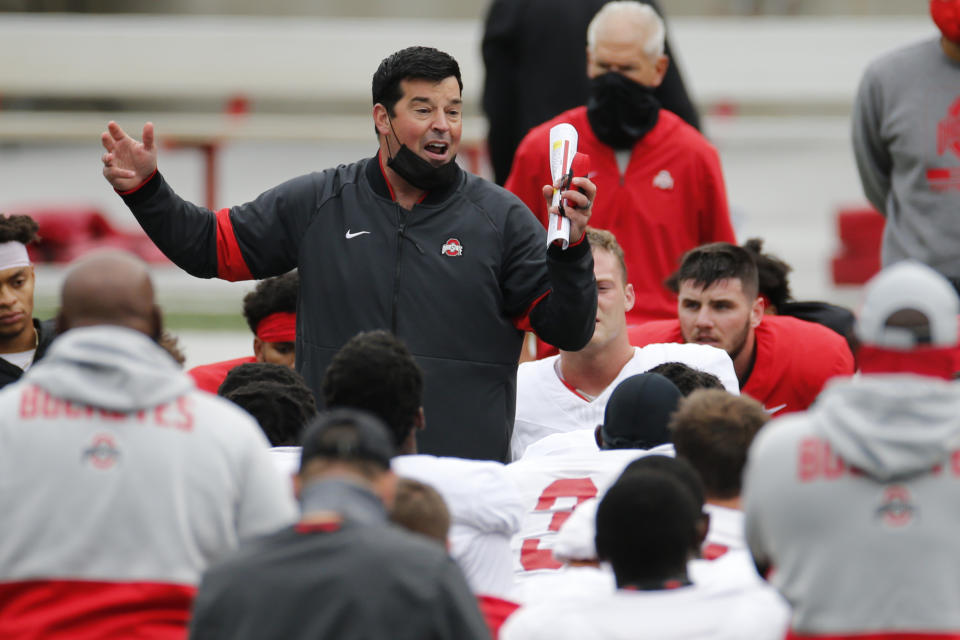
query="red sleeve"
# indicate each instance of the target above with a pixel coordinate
(230, 263)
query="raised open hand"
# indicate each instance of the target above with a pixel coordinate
(128, 163)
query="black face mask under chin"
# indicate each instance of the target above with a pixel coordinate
(420, 173)
(621, 111)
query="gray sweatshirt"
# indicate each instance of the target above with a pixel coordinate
(906, 138)
(853, 504)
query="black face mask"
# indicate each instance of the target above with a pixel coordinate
(420, 173)
(621, 111)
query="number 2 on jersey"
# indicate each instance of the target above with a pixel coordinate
(532, 557)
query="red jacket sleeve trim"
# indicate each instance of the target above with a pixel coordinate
(230, 263)
(522, 322)
(139, 186)
(578, 242)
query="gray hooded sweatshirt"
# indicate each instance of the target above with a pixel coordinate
(854, 507)
(115, 470)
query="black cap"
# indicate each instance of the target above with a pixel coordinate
(348, 435)
(638, 411)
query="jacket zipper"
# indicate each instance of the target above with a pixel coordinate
(401, 228)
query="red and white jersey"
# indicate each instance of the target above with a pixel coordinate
(726, 531)
(116, 497)
(551, 487)
(486, 511)
(696, 611)
(547, 405)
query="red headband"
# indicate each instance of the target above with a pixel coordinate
(278, 327)
(936, 362)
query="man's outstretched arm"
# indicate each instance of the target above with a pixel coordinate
(255, 240)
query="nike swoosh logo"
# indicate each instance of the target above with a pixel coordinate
(773, 410)
(354, 235)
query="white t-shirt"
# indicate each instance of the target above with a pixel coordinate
(704, 612)
(545, 405)
(726, 531)
(485, 512)
(20, 359)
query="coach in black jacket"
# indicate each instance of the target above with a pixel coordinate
(453, 265)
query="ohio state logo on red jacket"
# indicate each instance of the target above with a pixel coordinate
(452, 248)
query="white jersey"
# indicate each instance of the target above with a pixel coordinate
(726, 531)
(485, 512)
(697, 611)
(551, 488)
(545, 405)
(566, 583)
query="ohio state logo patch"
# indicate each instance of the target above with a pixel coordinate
(948, 131)
(896, 507)
(452, 248)
(102, 452)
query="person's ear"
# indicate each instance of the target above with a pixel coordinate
(629, 297)
(598, 436)
(756, 312)
(258, 349)
(381, 119)
(661, 66)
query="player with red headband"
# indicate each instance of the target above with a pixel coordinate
(271, 312)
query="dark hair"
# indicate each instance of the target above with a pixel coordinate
(713, 430)
(646, 527)
(772, 273)
(273, 295)
(375, 372)
(419, 508)
(249, 372)
(710, 263)
(282, 410)
(680, 469)
(412, 63)
(18, 228)
(687, 379)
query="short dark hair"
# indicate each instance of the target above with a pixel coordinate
(18, 228)
(713, 430)
(375, 371)
(710, 263)
(680, 469)
(273, 295)
(687, 379)
(772, 274)
(282, 410)
(412, 63)
(248, 372)
(646, 526)
(418, 507)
